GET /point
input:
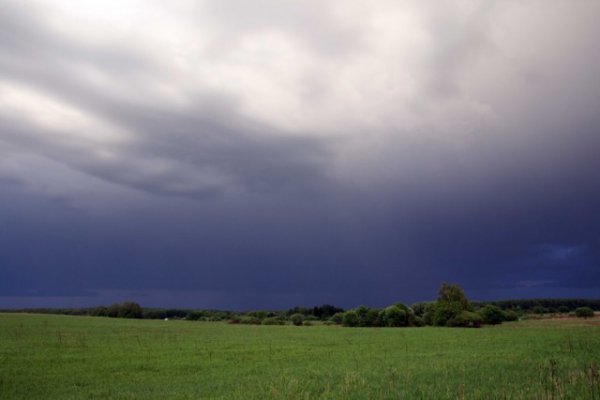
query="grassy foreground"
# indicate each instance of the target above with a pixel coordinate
(62, 357)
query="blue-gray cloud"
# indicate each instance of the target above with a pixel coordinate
(279, 154)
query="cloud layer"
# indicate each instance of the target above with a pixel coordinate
(267, 154)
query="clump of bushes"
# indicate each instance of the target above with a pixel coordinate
(451, 309)
(273, 321)
(396, 315)
(584, 312)
(350, 318)
(466, 319)
(127, 309)
(492, 315)
(511, 315)
(297, 319)
(337, 318)
(250, 320)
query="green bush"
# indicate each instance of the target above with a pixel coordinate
(364, 316)
(429, 313)
(584, 312)
(350, 318)
(307, 323)
(394, 316)
(259, 314)
(420, 308)
(419, 321)
(373, 318)
(337, 318)
(100, 312)
(194, 316)
(273, 321)
(539, 310)
(297, 319)
(492, 315)
(127, 309)
(466, 319)
(444, 312)
(511, 315)
(249, 320)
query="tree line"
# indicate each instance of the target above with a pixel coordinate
(452, 308)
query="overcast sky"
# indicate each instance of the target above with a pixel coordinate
(266, 154)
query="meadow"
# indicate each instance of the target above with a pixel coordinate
(66, 357)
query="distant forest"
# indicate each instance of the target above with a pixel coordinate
(452, 308)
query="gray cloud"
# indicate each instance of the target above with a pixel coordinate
(353, 153)
(203, 149)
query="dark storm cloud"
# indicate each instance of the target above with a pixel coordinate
(281, 155)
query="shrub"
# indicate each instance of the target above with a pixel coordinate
(273, 321)
(563, 309)
(372, 318)
(429, 313)
(420, 308)
(394, 316)
(250, 320)
(539, 310)
(310, 318)
(259, 314)
(194, 316)
(297, 319)
(451, 302)
(492, 315)
(419, 321)
(466, 319)
(453, 294)
(307, 323)
(127, 309)
(337, 318)
(363, 315)
(350, 318)
(584, 312)
(511, 315)
(100, 312)
(444, 312)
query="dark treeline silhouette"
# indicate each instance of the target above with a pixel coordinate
(452, 309)
(127, 309)
(543, 306)
(323, 312)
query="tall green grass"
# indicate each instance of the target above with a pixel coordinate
(61, 357)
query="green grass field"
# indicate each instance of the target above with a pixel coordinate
(63, 357)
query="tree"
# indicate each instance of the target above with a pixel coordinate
(297, 319)
(451, 302)
(429, 312)
(337, 318)
(100, 311)
(130, 309)
(492, 315)
(445, 312)
(453, 294)
(398, 315)
(511, 315)
(466, 319)
(584, 312)
(394, 316)
(350, 318)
